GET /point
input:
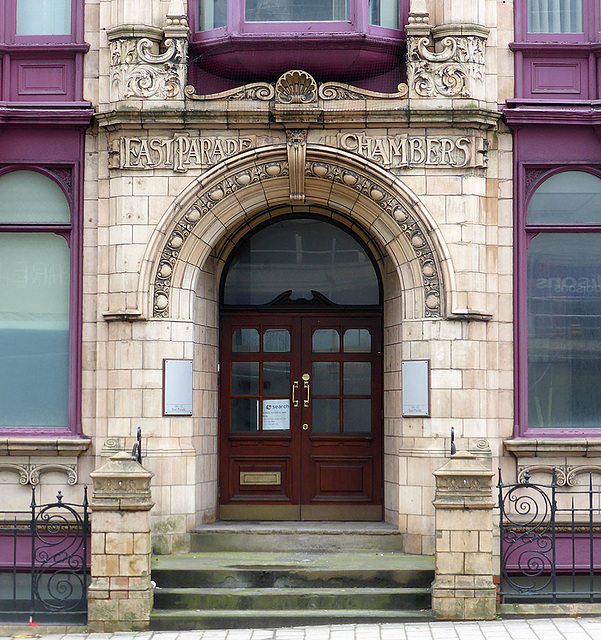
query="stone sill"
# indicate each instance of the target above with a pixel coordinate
(554, 447)
(15, 446)
(548, 609)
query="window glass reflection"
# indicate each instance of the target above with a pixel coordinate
(570, 197)
(325, 417)
(296, 10)
(245, 414)
(357, 341)
(564, 332)
(276, 341)
(302, 260)
(245, 341)
(245, 378)
(326, 341)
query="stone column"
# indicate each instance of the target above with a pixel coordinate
(463, 588)
(120, 593)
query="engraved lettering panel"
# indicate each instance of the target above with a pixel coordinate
(401, 151)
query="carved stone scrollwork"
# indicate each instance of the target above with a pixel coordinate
(451, 66)
(136, 72)
(296, 144)
(21, 470)
(70, 470)
(566, 476)
(29, 474)
(296, 87)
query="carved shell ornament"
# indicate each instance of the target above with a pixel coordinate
(296, 87)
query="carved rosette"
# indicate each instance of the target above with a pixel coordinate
(386, 201)
(136, 72)
(454, 70)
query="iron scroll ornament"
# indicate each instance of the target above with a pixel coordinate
(59, 538)
(527, 532)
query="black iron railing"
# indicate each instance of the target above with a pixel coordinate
(44, 562)
(550, 542)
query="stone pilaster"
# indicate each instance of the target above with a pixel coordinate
(120, 593)
(463, 588)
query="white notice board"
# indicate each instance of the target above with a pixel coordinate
(416, 388)
(177, 387)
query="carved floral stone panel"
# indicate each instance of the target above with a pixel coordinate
(137, 72)
(452, 67)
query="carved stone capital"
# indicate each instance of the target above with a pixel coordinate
(446, 61)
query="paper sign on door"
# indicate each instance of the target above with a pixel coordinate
(276, 415)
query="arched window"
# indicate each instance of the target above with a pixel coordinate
(563, 304)
(35, 288)
(299, 261)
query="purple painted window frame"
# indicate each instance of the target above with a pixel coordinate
(524, 233)
(237, 26)
(73, 234)
(9, 24)
(590, 22)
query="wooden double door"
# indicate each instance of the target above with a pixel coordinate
(301, 416)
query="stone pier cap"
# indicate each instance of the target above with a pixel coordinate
(122, 484)
(464, 482)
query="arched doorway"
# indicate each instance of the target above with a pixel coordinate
(301, 375)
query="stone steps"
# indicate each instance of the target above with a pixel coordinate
(289, 575)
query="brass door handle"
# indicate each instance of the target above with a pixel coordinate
(307, 387)
(307, 399)
(305, 427)
(294, 390)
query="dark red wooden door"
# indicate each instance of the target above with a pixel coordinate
(300, 427)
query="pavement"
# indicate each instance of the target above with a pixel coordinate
(511, 629)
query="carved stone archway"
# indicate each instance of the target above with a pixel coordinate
(233, 192)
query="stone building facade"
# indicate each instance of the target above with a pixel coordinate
(191, 174)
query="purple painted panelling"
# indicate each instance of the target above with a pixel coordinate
(551, 77)
(43, 79)
(45, 68)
